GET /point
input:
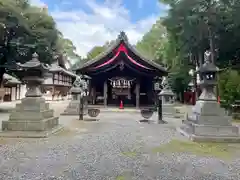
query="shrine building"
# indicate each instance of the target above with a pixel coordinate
(121, 73)
(59, 82)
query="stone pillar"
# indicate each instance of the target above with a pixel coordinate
(137, 94)
(105, 91)
(93, 95)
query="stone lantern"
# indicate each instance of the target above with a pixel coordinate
(32, 117)
(167, 97)
(207, 121)
(78, 92)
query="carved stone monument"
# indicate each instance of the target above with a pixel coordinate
(32, 117)
(77, 91)
(208, 121)
(167, 97)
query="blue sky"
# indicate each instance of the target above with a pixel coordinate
(93, 22)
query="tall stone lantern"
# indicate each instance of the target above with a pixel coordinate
(32, 117)
(167, 97)
(207, 121)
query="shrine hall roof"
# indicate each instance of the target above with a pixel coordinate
(11, 79)
(122, 37)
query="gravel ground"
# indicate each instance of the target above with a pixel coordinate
(115, 148)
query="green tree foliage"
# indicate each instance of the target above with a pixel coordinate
(95, 51)
(192, 27)
(195, 26)
(229, 86)
(153, 42)
(179, 80)
(25, 29)
(66, 46)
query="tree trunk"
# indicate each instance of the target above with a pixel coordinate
(211, 43)
(2, 70)
(200, 59)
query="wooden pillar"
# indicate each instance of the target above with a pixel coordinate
(137, 94)
(93, 95)
(105, 93)
(53, 92)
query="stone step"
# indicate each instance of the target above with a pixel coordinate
(29, 107)
(30, 115)
(42, 125)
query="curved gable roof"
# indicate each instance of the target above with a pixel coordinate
(122, 37)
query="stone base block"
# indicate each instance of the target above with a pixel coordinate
(210, 133)
(41, 125)
(31, 134)
(168, 108)
(170, 111)
(73, 109)
(30, 115)
(31, 118)
(161, 122)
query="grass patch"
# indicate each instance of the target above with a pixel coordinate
(218, 150)
(130, 154)
(236, 121)
(6, 140)
(120, 178)
(2, 141)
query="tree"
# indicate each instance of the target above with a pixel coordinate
(24, 30)
(179, 80)
(95, 51)
(229, 86)
(13, 27)
(205, 24)
(152, 43)
(195, 26)
(66, 46)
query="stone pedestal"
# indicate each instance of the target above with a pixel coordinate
(31, 118)
(168, 109)
(208, 122)
(73, 108)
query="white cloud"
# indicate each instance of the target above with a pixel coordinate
(104, 23)
(37, 3)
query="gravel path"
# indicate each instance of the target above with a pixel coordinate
(115, 148)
